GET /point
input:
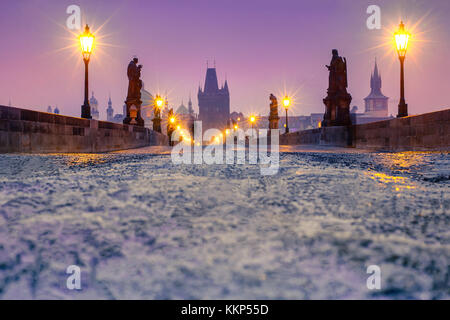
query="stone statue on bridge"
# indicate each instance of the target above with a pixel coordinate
(337, 102)
(133, 101)
(273, 117)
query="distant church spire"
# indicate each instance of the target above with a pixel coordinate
(375, 80)
(226, 86)
(375, 72)
(376, 103)
(190, 109)
(110, 110)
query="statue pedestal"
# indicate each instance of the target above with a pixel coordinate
(337, 110)
(133, 116)
(157, 124)
(273, 121)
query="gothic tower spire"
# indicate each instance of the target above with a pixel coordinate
(190, 108)
(213, 102)
(211, 82)
(376, 103)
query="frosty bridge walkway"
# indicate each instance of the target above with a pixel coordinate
(140, 227)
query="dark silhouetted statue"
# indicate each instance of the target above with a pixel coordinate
(273, 116)
(133, 101)
(337, 102)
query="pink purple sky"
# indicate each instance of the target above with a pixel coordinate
(261, 47)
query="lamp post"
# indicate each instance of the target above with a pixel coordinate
(286, 103)
(401, 40)
(252, 121)
(158, 103)
(87, 44)
(171, 126)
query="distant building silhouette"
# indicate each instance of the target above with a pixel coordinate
(110, 111)
(190, 108)
(56, 111)
(213, 103)
(236, 116)
(49, 109)
(376, 102)
(118, 118)
(186, 116)
(94, 107)
(147, 107)
(182, 109)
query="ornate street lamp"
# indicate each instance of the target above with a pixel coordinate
(158, 104)
(87, 44)
(252, 121)
(401, 40)
(171, 126)
(287, 103)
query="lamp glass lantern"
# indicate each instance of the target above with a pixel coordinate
(159, 102)
(87, 43)
(401, 40)
(286, 102)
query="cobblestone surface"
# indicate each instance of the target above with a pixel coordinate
(140, 227)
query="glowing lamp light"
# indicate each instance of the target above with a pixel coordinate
(87, 43)
(178, 127)
(159, 101)
(172, 120)
(252, 119)
(286, 102)
(235, 127)
(401, 40)
(227, 132)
